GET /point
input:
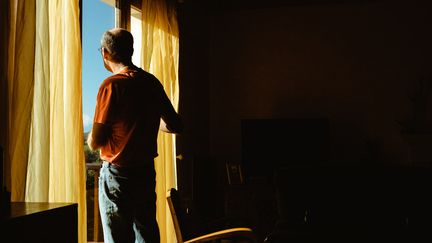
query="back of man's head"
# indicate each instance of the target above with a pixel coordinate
(119, 44)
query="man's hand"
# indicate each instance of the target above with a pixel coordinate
(90, 141)
(177, 126)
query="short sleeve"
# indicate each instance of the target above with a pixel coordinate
(104, 105)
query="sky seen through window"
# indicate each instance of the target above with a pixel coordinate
(97, 18)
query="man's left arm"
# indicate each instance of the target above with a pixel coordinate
(170, 121)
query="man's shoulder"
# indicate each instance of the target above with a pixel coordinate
(113, 80)
(144, 77)
(142, 74)
(137, 75)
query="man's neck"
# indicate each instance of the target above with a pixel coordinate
(119, 67)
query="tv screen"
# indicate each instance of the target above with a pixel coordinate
(268, 144)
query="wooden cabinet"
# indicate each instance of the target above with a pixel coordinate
(40, 222)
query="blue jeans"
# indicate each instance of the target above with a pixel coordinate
(127, 204)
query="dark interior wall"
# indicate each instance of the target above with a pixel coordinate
(352, 62)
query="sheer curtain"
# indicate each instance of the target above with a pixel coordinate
(45, 140)
(159, 56)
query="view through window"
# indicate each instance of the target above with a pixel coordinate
(136, 31)
(97, 18)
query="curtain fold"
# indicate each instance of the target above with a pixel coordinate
(159, 56)
(45, 141)
(38, 163)
(20, 92)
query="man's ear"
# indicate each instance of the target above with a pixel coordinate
(106, 54)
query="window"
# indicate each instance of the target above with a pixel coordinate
(97, 18)
(136, 31)
(163, 45)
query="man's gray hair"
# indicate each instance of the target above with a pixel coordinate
(119, 44)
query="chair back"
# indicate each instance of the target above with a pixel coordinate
(173, 199)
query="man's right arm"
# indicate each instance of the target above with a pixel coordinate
(98, 136)
(100, 132)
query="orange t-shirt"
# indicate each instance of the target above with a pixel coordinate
(130, 105)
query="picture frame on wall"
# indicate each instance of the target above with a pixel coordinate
(234, 173)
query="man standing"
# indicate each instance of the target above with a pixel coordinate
(131, 108)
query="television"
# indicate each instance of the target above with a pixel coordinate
(270, 144)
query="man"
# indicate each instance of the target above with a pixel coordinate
(131, 108)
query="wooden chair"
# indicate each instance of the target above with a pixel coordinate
(240, 234)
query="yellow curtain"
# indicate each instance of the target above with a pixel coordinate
(44, 120)
(3, 76)
(160, 51)
(20, 93)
